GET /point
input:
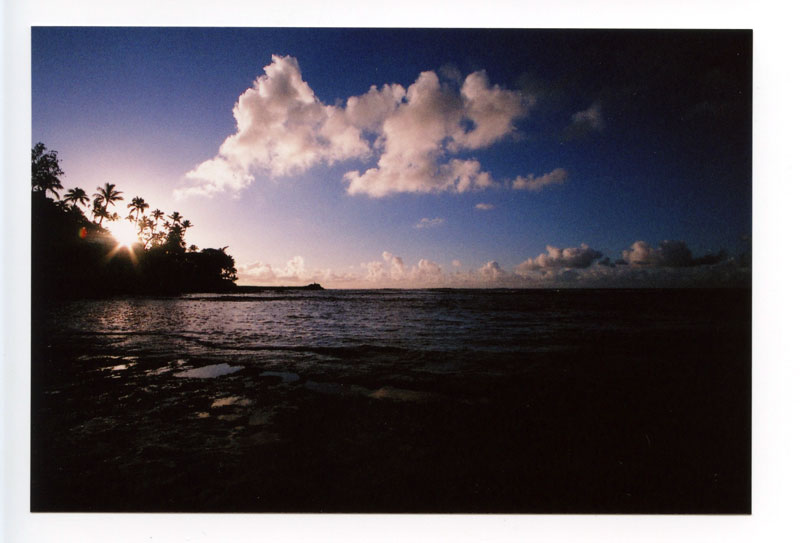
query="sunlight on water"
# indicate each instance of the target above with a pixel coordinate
(231, 400)
(391, 393)
(209, 372)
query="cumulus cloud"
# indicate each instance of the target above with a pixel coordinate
(426, 271)
(591, 118)
(571, 257)
(484, 207)
(294, 272)
(392, 271)
(282, 128)
(262, 273)
(557, 176)
(256, 273)
(375, 271)
(396, 268)
(669, 253)
(492, 271)
(429, 223)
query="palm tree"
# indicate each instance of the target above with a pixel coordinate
(175, 217)
(45, 170)
(102, 198)
(138, 205)
(76, 196)
(186, 224)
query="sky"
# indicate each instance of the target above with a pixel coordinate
(361, 158)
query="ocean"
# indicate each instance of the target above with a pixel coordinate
(400, 401)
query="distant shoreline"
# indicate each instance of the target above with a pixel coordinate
(255, 289)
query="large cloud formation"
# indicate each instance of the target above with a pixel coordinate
(284, 129)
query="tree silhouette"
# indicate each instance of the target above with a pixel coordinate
(137, 205)
(157, 215)
(76, 196)
(104, 197)
(73, 256)
(45, 170)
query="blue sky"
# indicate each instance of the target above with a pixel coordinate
(493, 158)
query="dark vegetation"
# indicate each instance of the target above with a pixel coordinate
(75, 256)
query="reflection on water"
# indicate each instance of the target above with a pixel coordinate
(285, 376)
(209, 372)
(391, 393)
(231, 400)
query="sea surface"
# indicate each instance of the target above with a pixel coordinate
(456, 401)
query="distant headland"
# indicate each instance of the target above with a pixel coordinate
(256, 289)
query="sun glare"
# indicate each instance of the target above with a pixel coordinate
(124, 232)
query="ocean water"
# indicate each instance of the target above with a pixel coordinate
(551, 401)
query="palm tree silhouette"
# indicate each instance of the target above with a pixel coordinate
(102, 198)
(175, 218)
(138, 205)
(76, 196)
(45, 170)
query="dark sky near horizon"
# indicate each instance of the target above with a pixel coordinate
(523, 156)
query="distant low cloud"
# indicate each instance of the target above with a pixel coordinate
(484, 207)
(492, 271)
(427, 272)
(397, 269)
(429, 223)
(669, 253)
(256, 272)
(392, 271)
(283, 129)
(583, 266)
(556, 177)
(571, 257)
(294, 272)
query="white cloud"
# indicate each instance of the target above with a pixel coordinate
(293, 272)
(591, 118)
(429, 223)
(570, 257)
(557, 176)
(492, 271)
(396, 268)
(255, 273)
(426, 271)
(484, 207)
(284, 129)
(375, 271)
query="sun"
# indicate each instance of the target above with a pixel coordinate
(124, 232)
